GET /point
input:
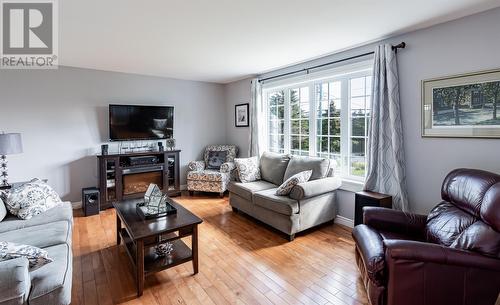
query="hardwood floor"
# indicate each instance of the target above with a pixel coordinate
(241, 262)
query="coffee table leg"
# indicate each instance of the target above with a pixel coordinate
(194, 249)
(118, 229)
(139, 263)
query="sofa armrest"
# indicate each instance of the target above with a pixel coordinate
(196, 165)
(315, 187)
(417, 251)
(15, 281)
(384, 219)
(227, 167)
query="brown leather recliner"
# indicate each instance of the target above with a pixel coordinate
(450, 257)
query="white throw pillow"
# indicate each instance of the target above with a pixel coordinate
(36, 257)
(286, 187)
(248, 169)
(30, 199)
(3, 210)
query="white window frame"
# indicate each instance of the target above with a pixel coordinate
(344, 74)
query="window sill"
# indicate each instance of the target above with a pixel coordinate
(351, 185)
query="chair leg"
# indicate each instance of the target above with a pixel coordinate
(291, 237)
(221, 194)
(235, 210)
(191, 193)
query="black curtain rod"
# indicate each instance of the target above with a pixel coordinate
(395, 48)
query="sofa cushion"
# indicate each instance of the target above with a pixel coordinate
(273, 167)
(279, 204)
(62, 212)
(42, 236)
(51, 284)
(246, 190)
(298, 164)
(207, 175)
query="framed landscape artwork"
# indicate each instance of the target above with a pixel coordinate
(241, 118)
(462, 106)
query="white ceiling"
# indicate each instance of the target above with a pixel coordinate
(226, 40)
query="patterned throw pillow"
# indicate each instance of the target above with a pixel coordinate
(216, 159)
(30, 199)
(248, 169)
(286, 187)
(36, 257)
(3, 210)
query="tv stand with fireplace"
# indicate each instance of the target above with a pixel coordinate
(121, 177)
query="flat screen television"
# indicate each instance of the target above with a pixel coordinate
(137, 122)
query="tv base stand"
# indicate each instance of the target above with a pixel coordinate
(119, 179)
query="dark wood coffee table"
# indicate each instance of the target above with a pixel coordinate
(141, 236)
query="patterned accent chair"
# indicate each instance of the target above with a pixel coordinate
(202, 179)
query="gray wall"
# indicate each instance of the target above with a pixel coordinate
(237, 93)
(463, 45)
(63, 117)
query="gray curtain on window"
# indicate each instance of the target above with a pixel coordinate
(386, 160)
(257, 120)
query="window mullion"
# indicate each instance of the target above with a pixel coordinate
(344, 127)
(312, 121)
(287, 122)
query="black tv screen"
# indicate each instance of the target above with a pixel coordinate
(130, 122)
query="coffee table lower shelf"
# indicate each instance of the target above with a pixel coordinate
(180, 254)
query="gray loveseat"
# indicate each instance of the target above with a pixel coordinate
(309, 204)
(50, 284)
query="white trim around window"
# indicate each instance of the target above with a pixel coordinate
(323, 114)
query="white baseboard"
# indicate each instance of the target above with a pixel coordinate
(76, 205)
(341, 220)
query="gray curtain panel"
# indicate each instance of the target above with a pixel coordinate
(257, 119)
(386, 160)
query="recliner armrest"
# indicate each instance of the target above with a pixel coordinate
(384, 219)
(15, 281)
(439, 254)
(370, 247)
(315, 187)
(196, 165)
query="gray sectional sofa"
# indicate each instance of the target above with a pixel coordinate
(50, 284)
(309, 204)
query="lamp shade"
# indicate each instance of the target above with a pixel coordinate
(10, 143)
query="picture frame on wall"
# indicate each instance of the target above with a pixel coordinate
(241, 115)
(462, 106)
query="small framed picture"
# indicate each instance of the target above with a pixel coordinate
(241, 118)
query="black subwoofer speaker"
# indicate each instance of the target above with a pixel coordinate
(90, 201)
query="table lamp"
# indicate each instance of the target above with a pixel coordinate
(10, 144)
